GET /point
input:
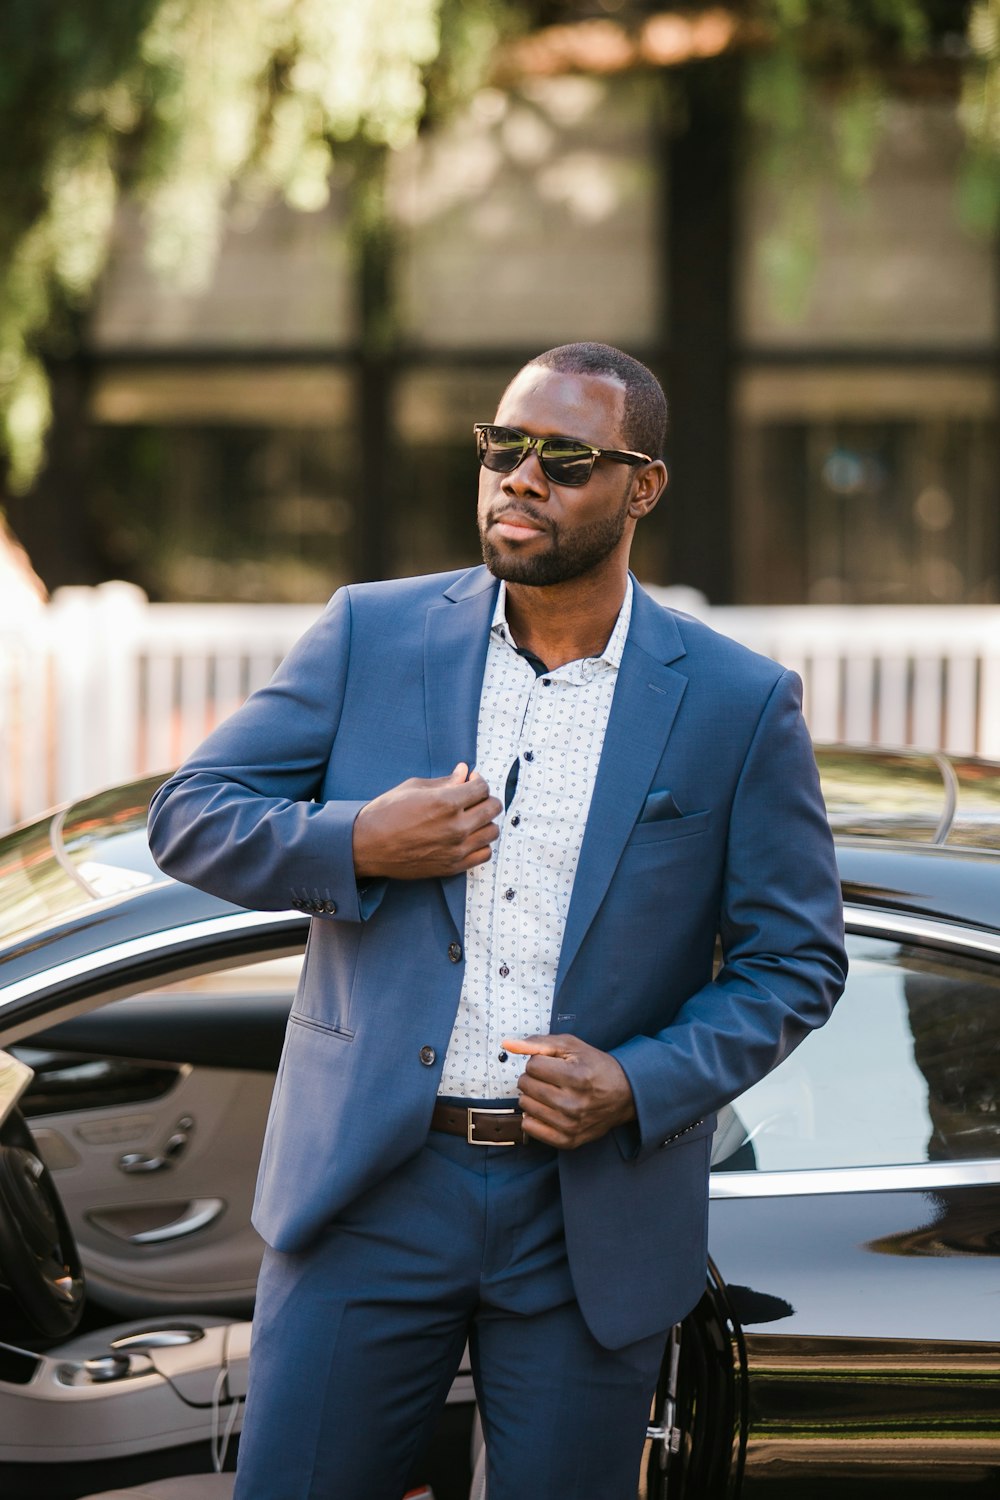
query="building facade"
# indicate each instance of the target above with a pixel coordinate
(291, 425)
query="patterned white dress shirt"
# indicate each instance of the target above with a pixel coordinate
(516, 904)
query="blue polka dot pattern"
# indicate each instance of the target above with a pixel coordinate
(517, 903)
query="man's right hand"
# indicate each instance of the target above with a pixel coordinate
(426, 826)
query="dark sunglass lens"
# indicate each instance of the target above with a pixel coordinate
(501, 448)
(567, 462)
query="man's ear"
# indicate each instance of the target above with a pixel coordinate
(650, 483)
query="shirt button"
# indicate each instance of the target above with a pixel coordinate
(455, 952)
(509, 894)
(428, 1056)
(546, 682)
(529, 754)
(515, 820)
(504, 971)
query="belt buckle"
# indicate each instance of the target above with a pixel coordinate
(471, 1125)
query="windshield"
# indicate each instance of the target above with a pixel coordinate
(87, 852)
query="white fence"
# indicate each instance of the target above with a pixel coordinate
(101, 685)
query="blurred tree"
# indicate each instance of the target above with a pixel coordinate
(817, 93)
(190, 106)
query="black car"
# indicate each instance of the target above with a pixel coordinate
(848, 1343)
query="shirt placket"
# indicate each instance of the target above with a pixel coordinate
(522, 1006)
(495, 759)
(508, 979)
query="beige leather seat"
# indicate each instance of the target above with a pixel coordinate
(186, 1487)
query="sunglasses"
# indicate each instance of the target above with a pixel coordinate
(563, 460)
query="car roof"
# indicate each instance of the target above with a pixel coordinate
(915, 832)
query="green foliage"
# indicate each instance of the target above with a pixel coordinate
(196, 108)
(57, 189)
(816, 98)
(189, 105)
(979, 111)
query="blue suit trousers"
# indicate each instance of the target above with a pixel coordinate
(357, 1340)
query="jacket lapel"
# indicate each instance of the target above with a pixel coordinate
(456, 637)
(647, 696)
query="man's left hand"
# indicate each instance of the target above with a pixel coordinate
(570, 1092)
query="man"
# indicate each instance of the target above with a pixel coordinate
(534, 936)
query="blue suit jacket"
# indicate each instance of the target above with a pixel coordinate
(385, 686)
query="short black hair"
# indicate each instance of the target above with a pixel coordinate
(645, 417)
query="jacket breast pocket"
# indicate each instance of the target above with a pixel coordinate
(662, 830)
(341, 1033)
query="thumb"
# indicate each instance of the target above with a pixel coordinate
(460, 773)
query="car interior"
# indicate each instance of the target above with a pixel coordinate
(131, 1142)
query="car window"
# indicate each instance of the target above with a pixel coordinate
(264, 976)
(905, 1071)
(135, 1049)
(882, 794)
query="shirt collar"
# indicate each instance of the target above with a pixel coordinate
(611, 656)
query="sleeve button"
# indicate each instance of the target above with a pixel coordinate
(455, 952)
(428, 1056)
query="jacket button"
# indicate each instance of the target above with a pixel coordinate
(428, 1056)
(455, 952)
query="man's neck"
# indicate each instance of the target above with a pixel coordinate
(564, 622)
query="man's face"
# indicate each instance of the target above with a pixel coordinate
(532, 530)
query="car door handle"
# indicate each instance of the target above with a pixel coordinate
(197, 1214)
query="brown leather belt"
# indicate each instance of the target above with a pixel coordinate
(481, 1127)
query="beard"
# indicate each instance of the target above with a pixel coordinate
(568, 555)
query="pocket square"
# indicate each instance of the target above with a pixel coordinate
(659, 805)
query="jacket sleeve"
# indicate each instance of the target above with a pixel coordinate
(782, 933)
(240, 819)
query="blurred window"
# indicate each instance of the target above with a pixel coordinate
(282, 280)
(531, 220)
(228, 485)
(867, 486)
(904, 1072)
(886, 265)
(867, 402)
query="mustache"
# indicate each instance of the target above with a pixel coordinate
(518, 513)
